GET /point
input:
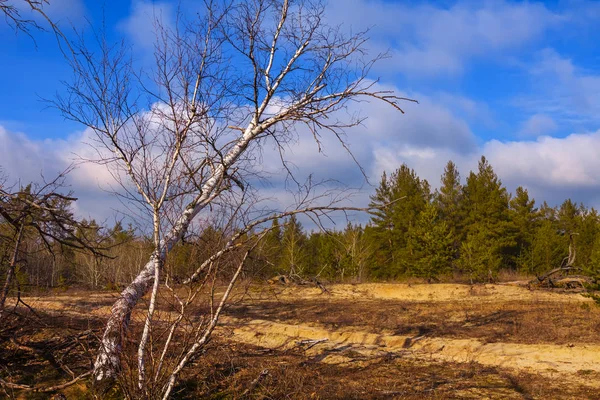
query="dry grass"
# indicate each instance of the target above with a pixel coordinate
(515, 322)
(293, 375)
(32, 349)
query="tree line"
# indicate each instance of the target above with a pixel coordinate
(472, 230)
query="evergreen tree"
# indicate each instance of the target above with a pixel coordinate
(448, 198)
(270, 249)
(592, 267)
(487, 223)
(485, 199)
(576, 219)
(588, 233)
(547, 212)
(547, 250)
(569, 217)
(480, 255)
(408, 195)
(293, 252)
(430, 241)
(525, 218)
(326, 255)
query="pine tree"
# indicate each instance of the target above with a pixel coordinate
(270, 249)
(485, 199)
(547, 249)
(577, 219)
(592, 267)
(525, 218)
(489, 234)
(408, 195)
(588, 233)
(431, 244)
(293, 252)
(480, 256)
(569, 216)
(448, 198)
(547, 212)
(323, 256)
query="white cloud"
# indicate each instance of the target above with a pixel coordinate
(553, 169)
(568, 163)
(425, 129)
(563, 90)
(538, 125)
(26, 160)
(140, 24)
(425, 138)
(429, 40)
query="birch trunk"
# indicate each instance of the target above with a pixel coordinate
(288, 97)
(108, 361)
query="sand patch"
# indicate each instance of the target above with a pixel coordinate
(433, 292)
(536, 358)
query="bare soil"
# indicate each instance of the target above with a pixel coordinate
(375, 341)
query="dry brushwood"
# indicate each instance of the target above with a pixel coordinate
(44, 389)
(557, 278)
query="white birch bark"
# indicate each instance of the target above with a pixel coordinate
(278, 91)
(107, 362)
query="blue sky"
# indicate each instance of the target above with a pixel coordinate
(516, 81)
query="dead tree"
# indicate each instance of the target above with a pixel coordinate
(567, 266)
(43, 212)
(224, 88)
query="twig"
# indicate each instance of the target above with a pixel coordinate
(255, 382)
(311, 342)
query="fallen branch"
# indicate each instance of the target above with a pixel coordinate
(255, 382)
(38, 389)
(321, 286)
(566, 265)
(556, 271)
(311, 342)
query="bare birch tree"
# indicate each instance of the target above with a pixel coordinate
(185, 137)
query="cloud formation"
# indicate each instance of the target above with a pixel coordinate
(139, 25)
(538, 125)
(25, 160)
(554, 95)
(562, 89)
(425, 138)
(428, 40)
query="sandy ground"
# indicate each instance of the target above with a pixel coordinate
(436, 292)
(354, 344)
(531, 358)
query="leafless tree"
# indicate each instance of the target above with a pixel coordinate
(43, 212)
(185, 140)
(16, 15)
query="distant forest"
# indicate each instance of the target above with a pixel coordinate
(468, 231)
